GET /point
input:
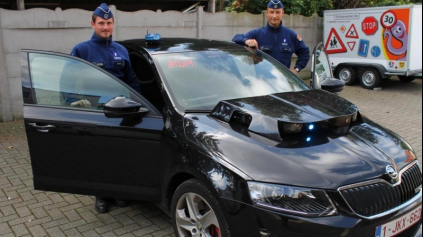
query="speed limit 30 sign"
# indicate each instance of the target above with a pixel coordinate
(388, 19)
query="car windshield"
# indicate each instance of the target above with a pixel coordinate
(197, 81)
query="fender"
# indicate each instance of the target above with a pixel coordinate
(221, 180)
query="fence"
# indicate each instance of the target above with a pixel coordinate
(60, 31)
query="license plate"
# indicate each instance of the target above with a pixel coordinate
(399, 225)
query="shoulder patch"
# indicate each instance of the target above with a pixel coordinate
(299, 38)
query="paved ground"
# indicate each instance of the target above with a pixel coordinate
(25, 212)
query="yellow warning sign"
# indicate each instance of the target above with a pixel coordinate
(402, 65)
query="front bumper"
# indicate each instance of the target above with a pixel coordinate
(248, 221)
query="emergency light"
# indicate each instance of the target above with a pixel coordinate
(152, 38)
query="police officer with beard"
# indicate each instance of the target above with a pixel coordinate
(276, 40)
(102, 51)
(114, 58)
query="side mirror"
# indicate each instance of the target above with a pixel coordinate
(321, 72)
(122, 107)
(333, 85)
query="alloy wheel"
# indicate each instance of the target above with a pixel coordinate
(345, 75)
(195, 218)
(369, 78)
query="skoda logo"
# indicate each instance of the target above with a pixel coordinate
(392, 172)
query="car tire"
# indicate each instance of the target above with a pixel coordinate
(406, 79)
(347, 74)
(370, 78)
(189, 221)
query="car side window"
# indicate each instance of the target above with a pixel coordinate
(322, 69)
(61, 81)
(150, 88)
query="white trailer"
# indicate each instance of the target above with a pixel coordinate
(372, 44)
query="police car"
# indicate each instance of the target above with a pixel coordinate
(223, 138)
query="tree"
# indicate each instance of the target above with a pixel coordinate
(347, 4)
(310, 7)
(299, 7)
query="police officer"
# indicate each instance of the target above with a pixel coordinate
(278, 41)
(103, 51)
(114, 58)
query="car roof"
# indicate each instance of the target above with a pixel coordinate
(176, 45)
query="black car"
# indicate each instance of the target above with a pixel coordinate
(223, 138)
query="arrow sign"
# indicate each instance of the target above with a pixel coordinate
(334, 43)
(363, 48)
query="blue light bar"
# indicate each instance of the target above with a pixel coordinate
(152, 38)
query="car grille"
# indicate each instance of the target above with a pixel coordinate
(372, 199)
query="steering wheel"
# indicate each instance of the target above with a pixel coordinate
(147, 82)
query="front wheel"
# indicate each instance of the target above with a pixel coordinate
(197, 213)
(370, 78)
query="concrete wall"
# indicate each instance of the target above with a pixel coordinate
(60, 31)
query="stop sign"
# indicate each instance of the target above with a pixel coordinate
(370, 25)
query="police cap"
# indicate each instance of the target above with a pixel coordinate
(275, 4)
(103, 11)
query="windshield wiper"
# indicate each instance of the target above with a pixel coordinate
(197, 111)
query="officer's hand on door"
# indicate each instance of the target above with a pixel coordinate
(81, 103)
(293, 70)
(252, 43)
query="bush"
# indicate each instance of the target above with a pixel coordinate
(310, 7)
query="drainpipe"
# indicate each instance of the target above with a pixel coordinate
(200, 17)
(20, 4)
(212, 6)
(5, 104)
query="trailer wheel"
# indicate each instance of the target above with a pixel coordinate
(406, 79)
(370, 78)
(347, 74)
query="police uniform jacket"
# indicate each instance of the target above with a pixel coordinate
(109, 55)
(280, 43)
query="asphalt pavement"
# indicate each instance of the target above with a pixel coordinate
(29, 213)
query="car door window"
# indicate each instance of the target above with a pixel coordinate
(150, 88)
(61, 81)
(322, 69)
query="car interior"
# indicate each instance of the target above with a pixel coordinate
(150, 86)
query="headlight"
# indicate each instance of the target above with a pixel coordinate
(299, 201)
(292, 127)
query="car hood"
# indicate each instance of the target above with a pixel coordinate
(267, 112)
(326, 159)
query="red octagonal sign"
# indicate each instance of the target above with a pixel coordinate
(370, 25)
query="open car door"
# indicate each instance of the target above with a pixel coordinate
(88, 132)
(321, 72)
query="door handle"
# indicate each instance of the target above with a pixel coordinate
(45, 128)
